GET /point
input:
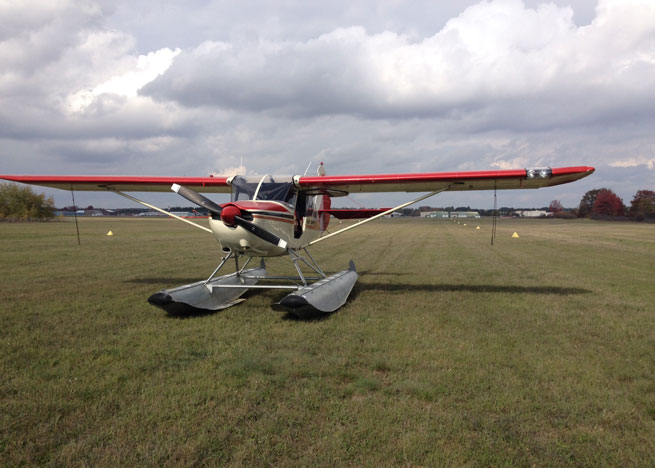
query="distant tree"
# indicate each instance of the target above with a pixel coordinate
(643, 205)
(22, 203)
(607, 203)
(555, 207)
(408, 212)
(587, 203)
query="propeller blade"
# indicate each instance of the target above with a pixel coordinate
(196, 198)
(259, 232)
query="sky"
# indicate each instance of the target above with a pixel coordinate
(199, 87)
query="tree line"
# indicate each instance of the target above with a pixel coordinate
(21, 203)
(603, 203)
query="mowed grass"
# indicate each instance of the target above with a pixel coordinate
(538, 351)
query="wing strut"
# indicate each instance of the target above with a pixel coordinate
(384, 213)
(75, 215)
(493, 227)
(129, 197)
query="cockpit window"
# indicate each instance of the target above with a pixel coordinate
(265, 188)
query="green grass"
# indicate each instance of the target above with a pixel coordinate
(538, 351)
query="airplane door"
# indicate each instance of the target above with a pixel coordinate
(306, 214)
(311, 214)
(299, 215)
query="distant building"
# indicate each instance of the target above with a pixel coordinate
(533, 213)
(464, 214)
(450, 214)
(150, 214)
(435, 214)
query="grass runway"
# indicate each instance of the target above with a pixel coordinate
(538, 351)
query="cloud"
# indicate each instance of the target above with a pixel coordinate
(143, 70)
(636, 161)
(496, 62)
(65, 74)
(230, 171)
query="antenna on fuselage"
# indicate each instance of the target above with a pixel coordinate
(307, 170)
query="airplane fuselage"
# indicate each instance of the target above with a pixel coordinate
(279, 218)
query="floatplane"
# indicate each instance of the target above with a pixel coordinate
(285, 216)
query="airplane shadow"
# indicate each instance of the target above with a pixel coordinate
(190, 314)
(161, 281)
(381, 273)
(475, 288)
(362, 286)
(316, 317)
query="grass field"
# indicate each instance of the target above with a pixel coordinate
(538, 351)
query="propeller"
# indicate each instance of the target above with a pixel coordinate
(196, 198)
(259, 232)
(231, 215)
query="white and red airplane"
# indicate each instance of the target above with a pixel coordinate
(273, 216)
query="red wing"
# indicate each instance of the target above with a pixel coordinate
(420, 182)
(431, 181)
(124, 183)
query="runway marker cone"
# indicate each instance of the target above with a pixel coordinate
(516, 234)
(110, 233)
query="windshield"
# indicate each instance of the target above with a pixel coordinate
(264, 188)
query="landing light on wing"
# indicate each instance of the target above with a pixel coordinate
(539, 173)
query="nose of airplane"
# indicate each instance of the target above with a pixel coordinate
(228, 213)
